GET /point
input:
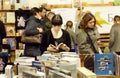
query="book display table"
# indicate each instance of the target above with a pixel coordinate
(108, 76)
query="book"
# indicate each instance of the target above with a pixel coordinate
(10, 30)
(37, 64)
(6, 5)
(117, 64)
(11, 42)
(10, 17)
(19, 53)
(104, 64)
(9, 71)
(22, 68)
(3, 17)
(29, 74)
(56, 72)
(24, 60)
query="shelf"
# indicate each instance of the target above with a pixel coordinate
(7, 10)
(9, 23)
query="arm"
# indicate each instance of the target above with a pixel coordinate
(111, 42)
(31, 28)
(2, 30)
(81, 40)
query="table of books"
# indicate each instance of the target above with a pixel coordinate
(108, 76)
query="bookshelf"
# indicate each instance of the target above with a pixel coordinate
(104, 39)
(20, 18)
(8, 18)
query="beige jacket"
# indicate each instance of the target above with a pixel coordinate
(83, 42)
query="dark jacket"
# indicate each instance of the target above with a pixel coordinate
(31, 29)
(48, 39)
(2, 31)
(46, 24)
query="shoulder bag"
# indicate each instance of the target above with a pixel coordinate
(31, 39)
(94, 49)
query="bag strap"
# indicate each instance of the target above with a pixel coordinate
(91, 42)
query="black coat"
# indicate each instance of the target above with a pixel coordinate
(31, 29)
(2, 31)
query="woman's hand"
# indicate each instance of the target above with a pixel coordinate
(64, 47)
(40, 29)
(52, 48)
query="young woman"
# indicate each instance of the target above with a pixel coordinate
(86, 36)
(56, 39)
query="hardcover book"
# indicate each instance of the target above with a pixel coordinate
(104, 64)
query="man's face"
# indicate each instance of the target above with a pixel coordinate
(43, 13)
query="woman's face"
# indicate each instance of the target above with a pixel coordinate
(57, 28)
(91, 23)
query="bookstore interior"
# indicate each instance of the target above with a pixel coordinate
(13, 63)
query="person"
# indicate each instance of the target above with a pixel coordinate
(114, 43)
(43, 11)
(2, 34)
(33, 27)
(69, 26)
(86, 35)
(56, 39)
(47, 21)
(116, 19)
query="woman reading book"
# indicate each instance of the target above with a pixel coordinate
(56, 39)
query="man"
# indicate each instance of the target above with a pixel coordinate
(47, 20)
(114, 43)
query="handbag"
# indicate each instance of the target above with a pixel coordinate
(31, 39)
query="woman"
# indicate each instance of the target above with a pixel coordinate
(33, 27)
(56, 39)
(69, 26)
(86, 36)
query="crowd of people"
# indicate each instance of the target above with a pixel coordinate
(56, 39)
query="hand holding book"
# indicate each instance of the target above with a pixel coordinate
(54, 48)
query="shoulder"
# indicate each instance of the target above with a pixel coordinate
(1, 22)
(48, 32)
(80, 31)
(64, 31)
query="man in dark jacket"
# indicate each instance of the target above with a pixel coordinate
(2, 34)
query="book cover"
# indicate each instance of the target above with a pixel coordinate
(10, 30)
(6, 5)
(37, 64)
(11, 42)
(104, 64)
(3, 17)
(10, 17)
